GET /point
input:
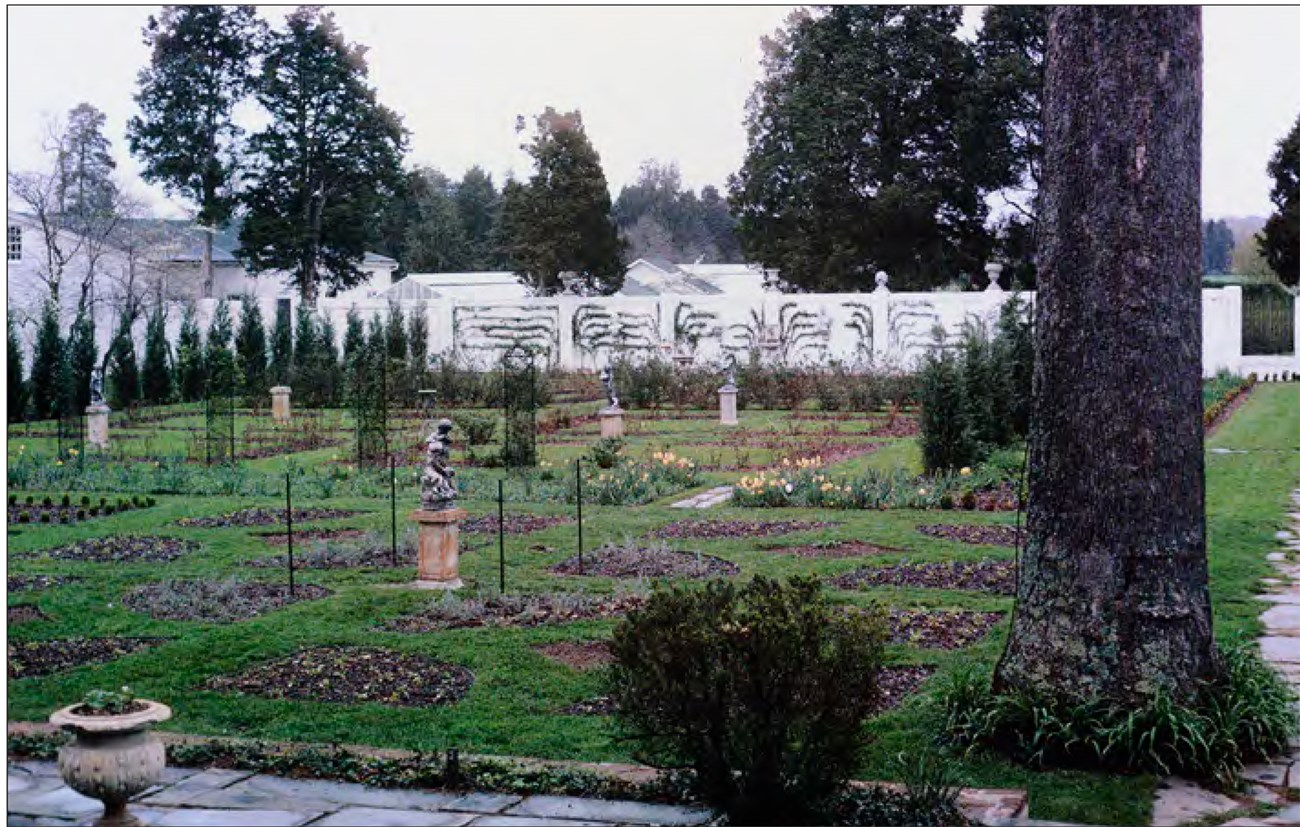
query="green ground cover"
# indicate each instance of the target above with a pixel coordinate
(513, 707)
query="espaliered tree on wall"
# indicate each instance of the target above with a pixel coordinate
(1113, 599)
(315, 194)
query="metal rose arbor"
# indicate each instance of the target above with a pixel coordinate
(1113, 599)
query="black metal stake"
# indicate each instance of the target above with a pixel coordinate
(577, 471)
(392, 498)
(501, 530)
(288, 518)
(231, 386)
(207, 438)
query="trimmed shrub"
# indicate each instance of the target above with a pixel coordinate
(761, 690)
(945, 432)
(478, 429)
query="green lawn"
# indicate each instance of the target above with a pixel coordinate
(512, 707)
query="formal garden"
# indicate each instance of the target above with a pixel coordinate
(250, 568)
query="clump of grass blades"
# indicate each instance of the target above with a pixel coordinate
(1246, 713)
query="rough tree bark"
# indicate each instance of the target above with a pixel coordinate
(1113, 598)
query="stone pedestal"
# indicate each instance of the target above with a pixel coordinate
(280, 403)
(727, 405)
(97, 425)
(439, 548)
(611, 423)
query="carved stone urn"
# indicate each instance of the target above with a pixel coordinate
(113, 758)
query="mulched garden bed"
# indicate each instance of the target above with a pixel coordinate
(515, 524)
(660, 561)
(834, 549)
(25, 613)
(352, 675)
(895, 683)
(263, 516)
(124, 549)
(33, 582)
(281, 537)
(514, 610)
(33, 658)
(216, 601)
(723, 529)
(978, 535)
(928, 629)
(583, 656)
(991, 576)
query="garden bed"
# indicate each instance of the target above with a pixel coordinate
(123, 549)
(928, 629)
(991, 576)
(34, 658)
(281, 537)
(583, 656)
(451, 612)
(25, 613)
(654, 561)
(515, 524)
(216, 601)
(249, 517)
(34, 582)
(339, 556)
(725, 529)
(352, 675)
(978, 535)
(23, 513)
(895, 683)
(834, 549)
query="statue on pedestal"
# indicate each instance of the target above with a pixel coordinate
(607, 379)
(97, 386)
(437, 482)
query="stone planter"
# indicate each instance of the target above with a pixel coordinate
(113, 758)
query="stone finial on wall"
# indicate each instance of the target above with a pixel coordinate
(882, 280)
(994, 270)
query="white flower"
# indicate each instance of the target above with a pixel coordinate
(789, 489)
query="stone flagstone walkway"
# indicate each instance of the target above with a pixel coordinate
(1179, 801)
(707, 499)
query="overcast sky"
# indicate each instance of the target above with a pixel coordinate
(662, 82)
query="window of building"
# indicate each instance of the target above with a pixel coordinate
(15, 243)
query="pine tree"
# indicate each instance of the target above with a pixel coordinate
(1280, 241)
(314, 197)
(82, 356)
(396, 332)
(17, 382)
(157, 379)
(326, 362)
(123, 378)
(218, 356)
(354, 336)
(250, 347)
(304, 355)
(191, 373)
(418, 342)
(282, 345)
(47, 365)
(560, 224)
(477, 205)
(186, 138)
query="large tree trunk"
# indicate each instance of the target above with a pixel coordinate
(207, 263)
(1112, 597)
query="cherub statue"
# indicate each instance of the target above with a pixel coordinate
(97, 386)
(437, 482)
(607, 379)
(731, 369)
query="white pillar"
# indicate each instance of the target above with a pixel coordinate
(97, 425)
(280, 411)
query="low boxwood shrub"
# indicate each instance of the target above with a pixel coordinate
(1246, 713)
(760, 690)
(479, 429)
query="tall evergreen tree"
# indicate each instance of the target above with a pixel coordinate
(123, 379)
(17, 382)
(250, 350)
(1113, 601)
(559, 224)
(314, 196)
(418, 342)
(218, 355)
(396, 333)
(157, 377)
(47, 364)
(282, 345)
(1216, 247)
(82, 356)
(1280, 241)
(354, 337)
(191, 373)
(477, 205)
(435, 240)
(660, 219)
(863, 151)
(326, 362)
(200, 68)
(85, 167)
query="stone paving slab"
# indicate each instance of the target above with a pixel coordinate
(1179, 801)
(489, 803)
(379, 817)
(188, 789)
(532, 821)
(621, 812)
(266, 791)
(59, 802)
(1280, 649)
(1274, 775)
(707, 499)
(194, 817)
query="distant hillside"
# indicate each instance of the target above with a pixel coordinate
(1244, 227)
